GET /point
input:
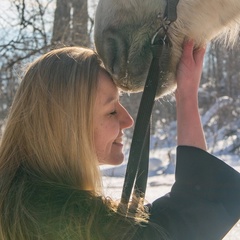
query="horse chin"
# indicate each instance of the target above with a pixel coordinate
(131, 85)
(136, 83)
(167, 88)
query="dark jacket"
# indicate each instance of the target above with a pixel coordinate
(204, 202)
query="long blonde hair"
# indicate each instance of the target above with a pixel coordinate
(49, 128)
(50, 183)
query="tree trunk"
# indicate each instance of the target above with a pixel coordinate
(80, 34)
(71, 23)
(61, 27)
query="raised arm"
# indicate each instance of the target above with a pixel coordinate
(190, 131)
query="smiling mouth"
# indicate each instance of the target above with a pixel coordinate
(119, 145)
(118, 141)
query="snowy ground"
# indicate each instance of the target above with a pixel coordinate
(158, 184)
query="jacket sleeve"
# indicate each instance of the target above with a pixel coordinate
(204, 202)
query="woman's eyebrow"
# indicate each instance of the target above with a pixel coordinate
(110, 99)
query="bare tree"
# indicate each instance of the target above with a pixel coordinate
(24, 34)
(71, 23)
(62, 19)
(30, 28)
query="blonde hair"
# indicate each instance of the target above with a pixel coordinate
(49, 128)
(50, 183)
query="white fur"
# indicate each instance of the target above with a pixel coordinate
(132, 23)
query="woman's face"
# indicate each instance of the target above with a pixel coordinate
(109, 120)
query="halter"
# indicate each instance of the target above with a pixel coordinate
(137, 168)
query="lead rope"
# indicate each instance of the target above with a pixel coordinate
(137, 168)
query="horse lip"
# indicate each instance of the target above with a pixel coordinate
(123, 83)
(126, 88)
(127, 84)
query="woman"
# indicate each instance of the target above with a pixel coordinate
(65, 120)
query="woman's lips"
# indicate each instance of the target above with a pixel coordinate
(118, 141)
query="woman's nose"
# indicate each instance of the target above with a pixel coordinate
(126, 119)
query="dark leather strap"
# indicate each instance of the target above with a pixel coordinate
(171, 10)
(139, 152)
(137, 168)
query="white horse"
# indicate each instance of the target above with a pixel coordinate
(124, 29)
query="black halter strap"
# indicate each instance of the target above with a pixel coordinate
(137, 168)
(171, 10)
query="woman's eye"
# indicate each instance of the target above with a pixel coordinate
(113, 112)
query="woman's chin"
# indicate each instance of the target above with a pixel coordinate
(114, 160)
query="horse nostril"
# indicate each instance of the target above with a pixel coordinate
(114, 53)
(111, 52)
